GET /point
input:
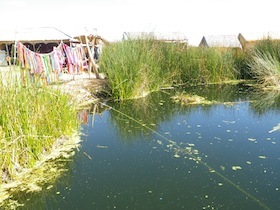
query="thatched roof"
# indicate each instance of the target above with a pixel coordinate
(220, 41)
(33, 35)
(137, 35)
(161, 36)
(171, 36)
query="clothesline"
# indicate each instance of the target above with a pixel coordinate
(53, 63)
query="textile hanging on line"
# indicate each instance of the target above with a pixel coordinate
(42, 64)
(51, 63)
(75, 58)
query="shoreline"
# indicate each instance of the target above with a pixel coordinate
(82, 89)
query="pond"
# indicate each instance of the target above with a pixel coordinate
(153, 153)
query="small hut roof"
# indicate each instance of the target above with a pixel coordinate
(161, 36)
(33, 35)
(138, 35)
(171, 36)
(220, 41)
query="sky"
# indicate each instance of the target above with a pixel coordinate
(110, 18)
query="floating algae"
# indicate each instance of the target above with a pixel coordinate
(235, 168)
(102, 147)
(45, 171)
(176, 155)
(186, 99)
(252, 139)
(275, 128)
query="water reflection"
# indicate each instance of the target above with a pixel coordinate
(159, 107)
(234, 130)
(153, 153)
(265, 101)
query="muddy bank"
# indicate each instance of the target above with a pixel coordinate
(84, 88)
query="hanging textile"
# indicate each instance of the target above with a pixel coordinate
(50, 65)
(76, 58)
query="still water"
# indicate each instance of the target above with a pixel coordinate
(154, 153)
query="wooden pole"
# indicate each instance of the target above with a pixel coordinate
(94, 65)
(81, 41)
(8, 55)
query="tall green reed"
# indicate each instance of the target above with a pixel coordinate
(265, 62)
(32, 118)
(268, 46)
(209, 65)
(137, 67)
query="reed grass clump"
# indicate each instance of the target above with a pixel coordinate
(137, 67)
(209, 65)
(265, 62)
(32, 118)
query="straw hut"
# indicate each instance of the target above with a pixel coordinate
(170, 37)
(221, 41)
(138, 35)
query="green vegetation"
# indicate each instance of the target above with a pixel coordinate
(209, 65)
(187, 99)
(137, 67)
(265, 62)
(32, 118)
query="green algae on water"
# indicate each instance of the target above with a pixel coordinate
(43, 175)
(187, 99)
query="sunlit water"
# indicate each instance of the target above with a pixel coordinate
(222, 156)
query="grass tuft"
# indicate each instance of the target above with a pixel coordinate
(32, 117)
(265, 62)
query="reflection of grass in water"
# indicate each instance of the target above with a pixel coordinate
(148, 111)
(188, 151)
(189, 100)
(140, 109)
(160, 107)
(266, 100)
(221, 92)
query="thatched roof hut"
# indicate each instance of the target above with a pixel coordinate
(175, 37)
(221, 41)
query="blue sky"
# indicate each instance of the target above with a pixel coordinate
(194, 18)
